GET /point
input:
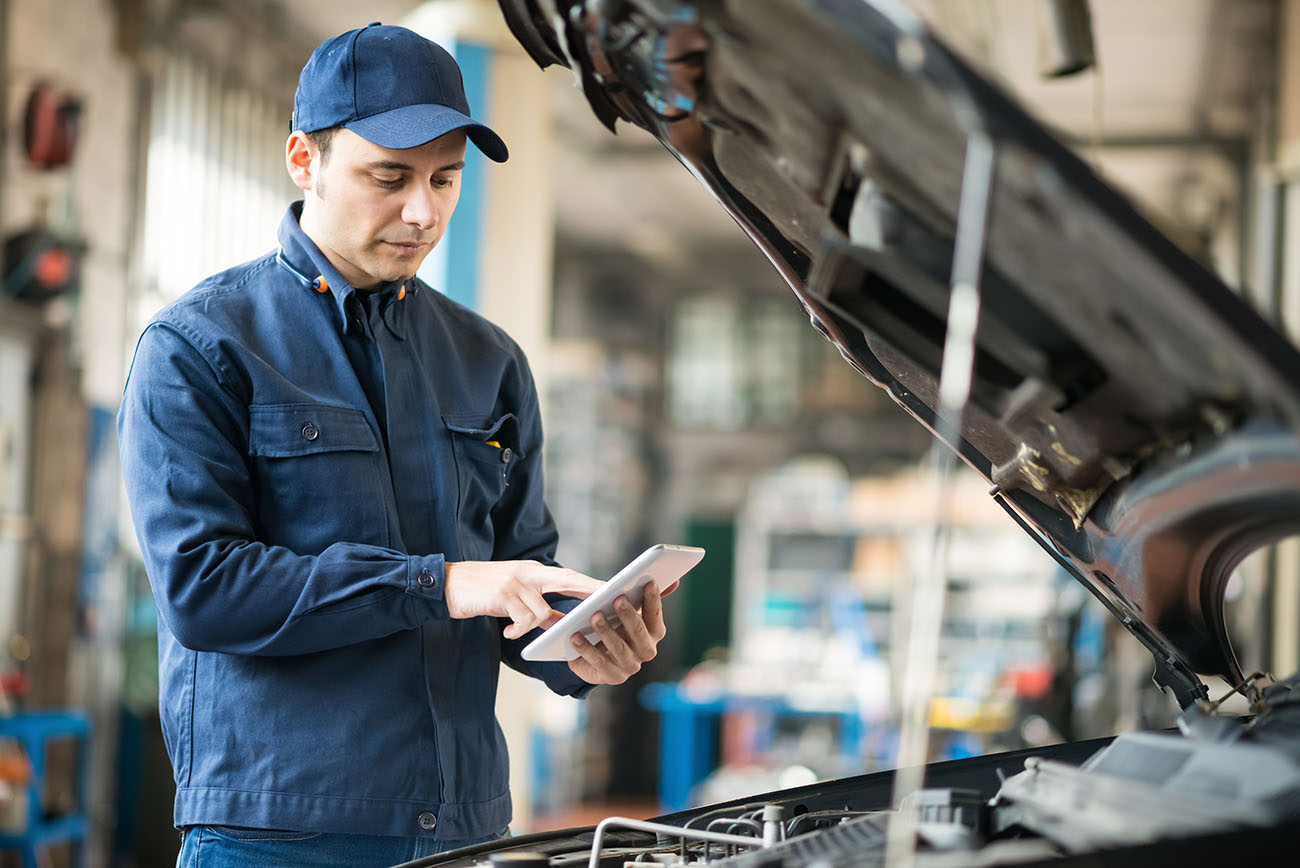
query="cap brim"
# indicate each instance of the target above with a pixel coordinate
(413, 125)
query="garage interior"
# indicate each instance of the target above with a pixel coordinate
(684, 395)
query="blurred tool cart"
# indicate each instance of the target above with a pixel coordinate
(28, 822)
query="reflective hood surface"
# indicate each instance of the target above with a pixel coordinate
(1127, 408)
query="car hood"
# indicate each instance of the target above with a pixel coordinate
(1129, 410)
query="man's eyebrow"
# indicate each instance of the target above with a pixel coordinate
(395, 166)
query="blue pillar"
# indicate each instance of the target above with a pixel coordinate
(453, 266)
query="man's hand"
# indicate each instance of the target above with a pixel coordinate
(621, 652)
(511, 589)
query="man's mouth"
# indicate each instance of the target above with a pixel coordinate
(409, 248)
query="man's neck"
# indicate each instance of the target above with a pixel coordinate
(356, 279)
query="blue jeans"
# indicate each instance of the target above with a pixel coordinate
(226, 847)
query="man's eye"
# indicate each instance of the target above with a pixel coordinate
(389, 183)
(443, 183)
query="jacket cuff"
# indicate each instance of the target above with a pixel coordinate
(426, 582)
(565, 683)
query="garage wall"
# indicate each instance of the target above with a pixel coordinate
(92, 198)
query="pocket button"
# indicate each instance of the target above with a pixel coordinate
(310, 431)
(427, 821)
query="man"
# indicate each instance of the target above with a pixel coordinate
(335, 477)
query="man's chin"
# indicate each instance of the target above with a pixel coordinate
(396, 273)
(402, 269)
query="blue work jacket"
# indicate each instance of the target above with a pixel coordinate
(301, 461)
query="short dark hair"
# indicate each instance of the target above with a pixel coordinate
(321, 139)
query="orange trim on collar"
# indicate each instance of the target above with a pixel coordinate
(321, 285)
(401, 293)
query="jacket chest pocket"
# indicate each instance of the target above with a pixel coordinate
(486, 450)
(318, 474)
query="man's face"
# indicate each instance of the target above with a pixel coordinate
(377, 212)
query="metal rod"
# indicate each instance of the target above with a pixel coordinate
(663, 829)
(927, 601)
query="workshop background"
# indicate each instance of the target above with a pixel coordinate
(686, 399)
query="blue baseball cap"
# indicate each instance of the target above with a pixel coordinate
(392, 87)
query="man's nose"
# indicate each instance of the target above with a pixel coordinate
(421, 208)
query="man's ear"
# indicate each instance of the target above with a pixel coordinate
(301, 159)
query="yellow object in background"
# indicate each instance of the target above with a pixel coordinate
(970, 715)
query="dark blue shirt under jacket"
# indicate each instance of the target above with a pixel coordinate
(301, 461)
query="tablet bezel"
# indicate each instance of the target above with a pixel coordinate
(663, 564)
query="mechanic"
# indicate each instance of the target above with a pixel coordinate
(335, 476)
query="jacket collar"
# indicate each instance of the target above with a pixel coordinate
(300, 256)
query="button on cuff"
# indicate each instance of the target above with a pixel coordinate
(426, 575)
(424, 586)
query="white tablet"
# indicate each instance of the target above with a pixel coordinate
(662, 564)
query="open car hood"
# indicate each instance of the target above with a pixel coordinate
(1129, 410)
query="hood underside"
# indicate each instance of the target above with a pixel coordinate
(1130, 411)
